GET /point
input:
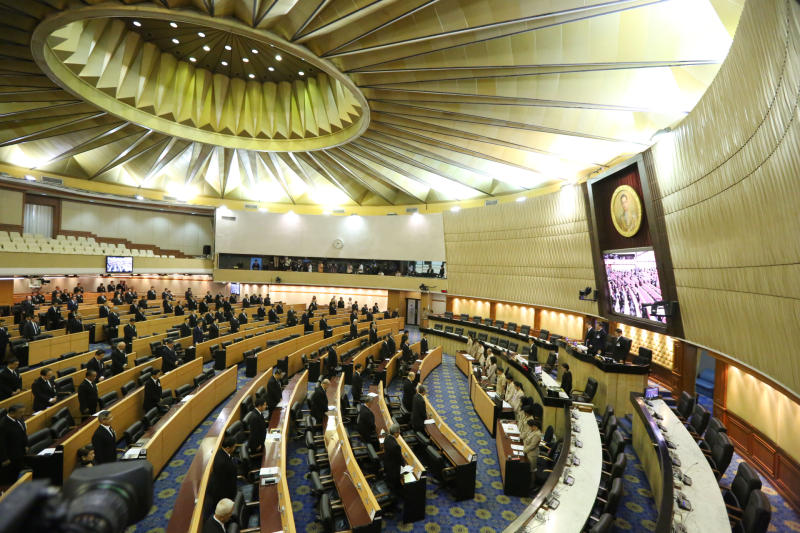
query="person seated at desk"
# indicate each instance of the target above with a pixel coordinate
(319, 401)
(419, 410)
(13, 444)
(222, 482)
(365, 423)
(74, 323)
(499, 382)
(356, 384)
(167, 306)
(234, 325)
(10, 380)
(44, 390)
(291, 318)
(169, 359)
(86, 456)
(87, 394)
(257, 427)
(393, 459)
(409, 390)
(152, 390)
(272, 315)
(566, 378)
(104, 440)
(96, 364)
(274, 391)
(260, 312)
(242, 318)
(223, 511)
(185, 329)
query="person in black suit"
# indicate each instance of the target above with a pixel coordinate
(31, 329)
(408, 356)
(44, 390)
(332, 360)
(340, 303)
(356, 384)
(392, 345)
(202, 307)
(419, 410)
(366, 422)
(354, 329)
(213, 329)
(566, 378)
(257, 427)
(304, 321)
(193, 321)
(596, 339)
(386, 314)
(234, 325)
(151, 294)
(13, 444)
(319, 401)
(169, 359)
(222, 515)
(272, 315)
(423, 345)
(142, 304)
(291, 318)
(104, 440)
(27, 306)
(353, 316)
(117, 299)
(96, 364)
(222, 483)
(260, 312)
(332, 307)
(118, 359)
(101, 299)
(373, 333)
(10, 380)
(129, 333)
(323, 324)
(392, 458)
(87, 394)
(369, 316)
(152, 391)
(279, 308)
(54, 320)
(274, 392)
(185, 329)
(191, 304)
(168, 308)
(385, 349)
(409, 390)
(242, 318)
(395, 314)
(197, 334)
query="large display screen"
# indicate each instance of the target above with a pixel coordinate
(633, 283)
(117, 265)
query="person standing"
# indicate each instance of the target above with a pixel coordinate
(104, 440)
(13, 444)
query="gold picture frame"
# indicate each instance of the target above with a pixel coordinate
(626, 210)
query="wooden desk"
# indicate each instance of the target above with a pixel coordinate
(233, 353)
(488, 411)
(457, 452)
(44, 349)
(464, 362)
(650, 442)
(515, 469)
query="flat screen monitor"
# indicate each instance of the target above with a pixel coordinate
(119, 265)
(651, 393)
(255, 263)
(633, 283)
(236, 288)
(537, 369)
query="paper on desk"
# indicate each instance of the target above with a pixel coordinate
(269, 471)
(510, 428)
(517, 447)
(47, 451)
(132, 453)
(331, 408)
(430, 421)
(506, 405)
(491, 394)
(406, 469)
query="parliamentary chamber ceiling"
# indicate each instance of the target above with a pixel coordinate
(346, 103)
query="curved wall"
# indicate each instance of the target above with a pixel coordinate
(729, 178)
(536, 252)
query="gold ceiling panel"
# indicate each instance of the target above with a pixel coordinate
(355, 103)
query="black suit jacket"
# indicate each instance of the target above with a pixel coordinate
(274, 393)
(118, 361)
(212, 526)
(423, 346)
(333, 359)
(30, 329)
(105, 446)
(13, 440)
(258, 431)
(319, 404)
(366, 424)
(152, 394)
(357, 384)
(169, 360)
(353, 331)
(323, 324)
(42, 392)
(273, 316)
(234, 325)
(185, 330)
(596, 340)
(9, 382)
(566, 381)
(102, 299)
(409, 390)
(129, 332)
(223, 477)
(213, 331)
(97, 366)
(167, 306)
(373, 336)
(87, 397)
(179, 310)
(419, 413)
(392, 346)
(392, 460)
(197, 335)
(202, 306)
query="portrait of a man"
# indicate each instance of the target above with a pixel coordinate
(626, 210)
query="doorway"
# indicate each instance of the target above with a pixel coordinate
(412, 311)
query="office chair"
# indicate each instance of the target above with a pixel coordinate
(588, 393)
(756, 516)
(698, 422)
(685, 405)
(644, 358)
(603, 524)
(609, 504)
(744, 483)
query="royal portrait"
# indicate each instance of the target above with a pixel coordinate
(626, 210)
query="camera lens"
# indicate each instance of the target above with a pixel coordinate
(103, 508)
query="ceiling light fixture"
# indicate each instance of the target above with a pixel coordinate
(251, 75)
(244, 59)
(193, 60)
(173, 24)
(302, 73)
(228, 47)
(137, 23)
(224, 63)
(201, 34)
(271, 69)
(176, 41)
(278, 57)
(254, 50)
(206, 48)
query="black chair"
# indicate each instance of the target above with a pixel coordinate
(603, 524)
(504, 343)
(448, 329)
(512, 326)
(65, 371)
(544, 334)
(698, 422)
(128, 387)
(552, 361)
(685, 405)
(183, 390)
(513, 346)
(645, 356)
(63, 414)
(525, 330)
(107, 399)
(721, 455)
(588, 393)
(608, 412)
(756, 516)
(237, 432)
(494, 340)
(716, 425)
(67, 355)
(65, 386)
(133, 433)
(744, 483)
(482, 337)
(199, 379)
(59, 428)
(39, 440)
(609, 504)
(499, 323)
(142, 360)
(151, 417)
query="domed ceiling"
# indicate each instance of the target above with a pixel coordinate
(348, 102)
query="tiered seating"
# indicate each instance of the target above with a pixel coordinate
(67, 244)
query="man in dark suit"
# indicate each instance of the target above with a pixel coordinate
(117, 299)
(392, 345)
(261, 313)
(10, 380)
(118, 359)
(54, 319)
(419, 410)
(356, 384)
(96, 364)
(219, 316)
(395, 314)
(142, 304)
(304, 321)
(245, 302)
(197, 334)
(366, 422)
(168, 308)
(319, 401)
(169, 359)
(222, 515)
(291, 318)
(323, 324)
(185, 329)
(353, 329)
(409, 390)
(392, 458)
(222, 483)
(272, 315)
(386, 314)
(202, 307)
(104, 440)
(385, 349)
(596, 338)
(213, 329)
(87, 394)
(353, 316)
(72, 304)
(408, 355)
(31, 329)
(129, 333)
(101, 299)
(152, 391)
(274, 391)
(193, 321)
(258, 427)
(279, 308)
(242, 318)
(332, 361)
(13, 444)
(566, 378)
(234, 325)
(373, 333)
(44, 390)
(191, 304)
(423, 345)
(27, 306)
(151, 294)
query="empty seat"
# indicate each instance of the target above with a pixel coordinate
(128, 387)
(151, 417)
(133, 433)
(39, 440)
(698, 422)
(182, 391)
(107, 399)
(756, 516)
(65, 371)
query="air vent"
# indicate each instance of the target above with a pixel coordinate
(250, 206)
(491, 202)
(339, 211)
(52, 181)
(232, 219)
(411, 210)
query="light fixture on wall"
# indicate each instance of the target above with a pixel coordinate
(587, 294)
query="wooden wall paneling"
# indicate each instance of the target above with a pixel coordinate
(720, 387)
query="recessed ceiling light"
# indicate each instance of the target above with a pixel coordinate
(271, 69)
(254, 51)
(173, 24)
(245, 60)
(201, 34)
(192, 59)
(176, 41)
(224, 63)
(278, 57)
(137, 23)
(252, 76)
(302, 73)
(206, 48)
(227, 47)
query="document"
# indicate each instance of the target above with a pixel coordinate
(406, 469)
(517, 447)
(430, 421)
(132, 453)
(511, 428)
(269, 471)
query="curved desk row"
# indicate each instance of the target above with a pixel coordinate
(234, 353)
(45, 349)
(514, 335)
(655, 430)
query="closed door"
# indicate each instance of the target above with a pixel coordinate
(412, 312)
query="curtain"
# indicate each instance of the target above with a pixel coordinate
(39, 220)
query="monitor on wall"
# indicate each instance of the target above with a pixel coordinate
(236, 288)
(633, 283)
(119, 265)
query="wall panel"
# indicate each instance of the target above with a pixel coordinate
(10, 207)
(728, 176)
(535, 252)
